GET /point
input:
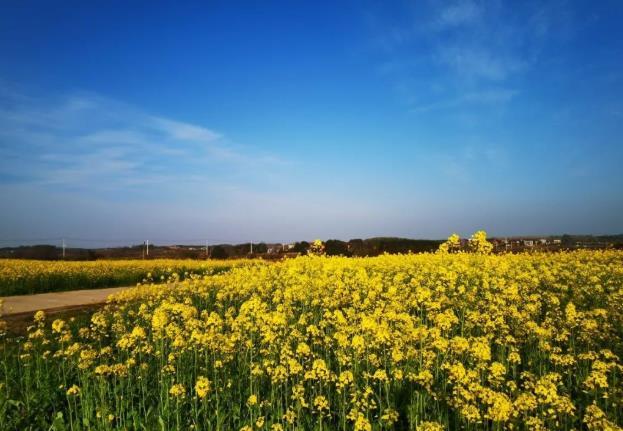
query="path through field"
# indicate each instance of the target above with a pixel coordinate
(27, 304)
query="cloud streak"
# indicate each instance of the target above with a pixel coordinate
(459, 13)
(491, 97)
(479, 62)
(464, 52)
(89, 141)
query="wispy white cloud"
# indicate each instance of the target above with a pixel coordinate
(484, 97)
(481, 42)
(185, 131)
(458, 13)
(89, 141)
(480, 62)
(441, 55)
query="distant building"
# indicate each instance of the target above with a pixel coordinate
(274, 249)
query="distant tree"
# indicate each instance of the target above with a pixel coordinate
(218, 252)
(238, 250)
(260, 248)
(357, 247)
(301, 247)
(40, 252)
(335, 247)
(567, 241)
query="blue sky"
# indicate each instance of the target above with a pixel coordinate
(279, 121)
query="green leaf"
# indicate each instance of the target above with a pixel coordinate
(59, 423)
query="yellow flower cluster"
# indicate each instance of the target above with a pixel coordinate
(427, 342)
(18, 277)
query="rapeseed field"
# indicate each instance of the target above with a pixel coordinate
(436, 341)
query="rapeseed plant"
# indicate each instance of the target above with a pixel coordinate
(424, 342)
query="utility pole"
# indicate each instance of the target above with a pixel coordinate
(207, 250)
(63, 248)
(147, 247)
(251, 247)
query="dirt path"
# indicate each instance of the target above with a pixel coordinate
(14, 306)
